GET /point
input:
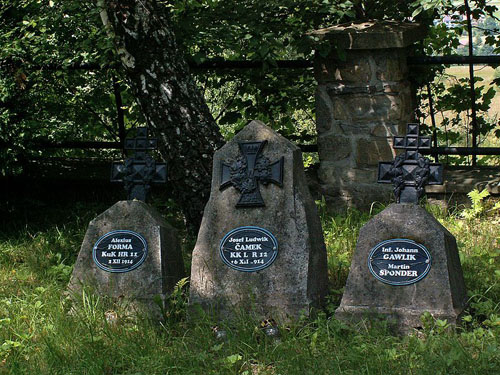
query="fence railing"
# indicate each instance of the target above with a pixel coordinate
(220, 64)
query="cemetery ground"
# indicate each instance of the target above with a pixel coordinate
(43, 332)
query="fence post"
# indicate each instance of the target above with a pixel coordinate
(363, 98)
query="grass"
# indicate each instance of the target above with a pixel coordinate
(44, 332)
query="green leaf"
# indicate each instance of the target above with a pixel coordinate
(232, 359)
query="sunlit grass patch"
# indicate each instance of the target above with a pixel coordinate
(44, 331)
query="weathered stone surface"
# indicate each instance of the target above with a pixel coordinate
(363, 66)
(391, 64)
(344, 174)
(324, 109)
(360, 175)
(352, 71)
(365, 96)
(376, 107)
(297, 279)
(349, 89)
(441, 293)
(373, 34)
(340, 110)
(356, 67)
(371, 151)
(385, 130)
(361, 196)
(162, 268)
(335, 147)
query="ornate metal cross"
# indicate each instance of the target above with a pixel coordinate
(140, 171)
(410, 171)
(250, 168)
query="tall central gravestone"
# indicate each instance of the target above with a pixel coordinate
(260, 247)
(405, 263)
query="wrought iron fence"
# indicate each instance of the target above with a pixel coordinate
(220, 64)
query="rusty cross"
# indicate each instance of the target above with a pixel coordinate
(248, 170)
(139, 171)
(410, 171)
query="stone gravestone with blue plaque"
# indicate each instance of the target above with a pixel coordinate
(405, 262)
(260, 247)
(129, 252)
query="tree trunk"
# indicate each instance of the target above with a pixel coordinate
(173, 107)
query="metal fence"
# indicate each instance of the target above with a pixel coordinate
(219, 64)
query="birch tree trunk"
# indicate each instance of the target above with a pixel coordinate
(174, 108)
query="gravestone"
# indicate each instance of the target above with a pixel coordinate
(260, 247)
(405, 262)
(129, 252)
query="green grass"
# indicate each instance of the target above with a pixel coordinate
(44, 332)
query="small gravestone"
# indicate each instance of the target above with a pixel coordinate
(129, 252)
(405, 263)
(260, 247)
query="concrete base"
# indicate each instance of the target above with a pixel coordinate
(398, 320)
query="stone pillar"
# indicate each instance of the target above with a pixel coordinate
(363, 98)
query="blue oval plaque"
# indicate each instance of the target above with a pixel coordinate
(248, 249)
(120, 251)
(399, 261)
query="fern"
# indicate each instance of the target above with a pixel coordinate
(477, 207)
(477, 196)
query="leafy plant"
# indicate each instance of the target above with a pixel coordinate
(478, 206)
(176, 303)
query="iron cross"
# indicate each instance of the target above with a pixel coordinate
(410, 171)
(248, 170)
(140, 171)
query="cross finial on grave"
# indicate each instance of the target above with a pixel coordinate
(139, 171)
(410, 171)
(248, 170)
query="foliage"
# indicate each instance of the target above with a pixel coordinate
(452, 95)
(256, 30)
(44, 334)
(478, 207)
(42, 98)
(39, 103)
(267, 31)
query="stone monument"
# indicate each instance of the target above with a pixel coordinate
(405, 263)
(260, 247)
(363, 99)
(129, 252)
